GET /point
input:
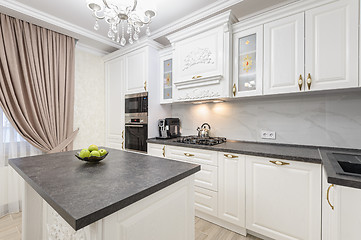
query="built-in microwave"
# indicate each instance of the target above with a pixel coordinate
(136, 103)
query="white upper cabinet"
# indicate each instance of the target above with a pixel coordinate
(166, 76)
(248, 62)
(332, 46)
(283, 198)
(284, 55)
(114, 88)
(201, 60)
(136, 70)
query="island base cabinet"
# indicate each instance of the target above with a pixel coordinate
(341, 212)
(166, 214)
(283, 198)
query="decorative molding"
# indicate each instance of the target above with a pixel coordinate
(60, 230)
(277, 12)
(211, 23)
(198, 82)
(197, 56)
(196, 16)
(143, 42)
(49, 19)
(90, 49)
(197, 94)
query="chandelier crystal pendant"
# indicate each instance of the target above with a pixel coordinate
(121, 15)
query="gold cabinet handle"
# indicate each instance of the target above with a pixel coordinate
(309, 81)
(280, 163)
(328, 196)
(123, 134)
(123, 145)
(145, 85)
(230, 156)
(189, 154)
(300, 82)
(195, 77)
(163, 151)
(234, 90)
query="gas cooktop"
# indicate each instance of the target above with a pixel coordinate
(201, 141)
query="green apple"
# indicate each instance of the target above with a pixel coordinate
(93, 148)
(102, 152)
(84, 153)
(95, 153)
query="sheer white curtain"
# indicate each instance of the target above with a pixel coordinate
(12, 145)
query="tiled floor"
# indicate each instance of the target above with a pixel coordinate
(10, 229)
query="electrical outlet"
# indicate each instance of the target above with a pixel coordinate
(268, 134)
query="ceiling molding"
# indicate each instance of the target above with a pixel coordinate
(47, 18)
(90, 49)
(194, 17)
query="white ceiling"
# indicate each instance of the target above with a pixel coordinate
(72, 17)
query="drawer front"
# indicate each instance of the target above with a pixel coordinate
(156, 150)
(206, 201)
(197, 156)
(207, 177)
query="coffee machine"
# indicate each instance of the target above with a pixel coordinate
(169, 128)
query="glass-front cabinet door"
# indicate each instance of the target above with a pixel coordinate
(166, 72)
(247, 62)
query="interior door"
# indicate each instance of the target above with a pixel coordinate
(332, 45)
(284, 55)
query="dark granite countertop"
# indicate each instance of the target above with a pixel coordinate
(83, 193)
(282, 151)
(332, 176)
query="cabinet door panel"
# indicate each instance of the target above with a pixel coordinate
(136, 71)
(248, 62)
(193, 155)
(205, 201)
(156, 150)
(283, 202)
(284, 54)
(114, 103)
(232, 185)
(332, 45)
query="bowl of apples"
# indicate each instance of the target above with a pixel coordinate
(92, 154)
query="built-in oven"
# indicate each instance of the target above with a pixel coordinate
(136, 103)
(136, 131)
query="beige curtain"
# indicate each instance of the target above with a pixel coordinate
(37, 83)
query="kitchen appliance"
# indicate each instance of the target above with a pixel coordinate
(169, 128)
(136, 103)
(203, 131)
(136, 131)
(201, 140)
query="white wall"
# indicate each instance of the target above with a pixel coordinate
(89, 106)
(332, 119)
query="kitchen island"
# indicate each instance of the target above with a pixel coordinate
(126, 196)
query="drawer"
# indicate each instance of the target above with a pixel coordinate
(197, 156)
(207, 177)
(206, 201)
(156, 150)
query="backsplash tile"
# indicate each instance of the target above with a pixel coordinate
(323, 119)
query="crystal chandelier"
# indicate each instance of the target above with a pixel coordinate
(121, 14)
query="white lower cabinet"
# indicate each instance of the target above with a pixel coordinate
(206, 200)
(232, 188)
(156, 150)
(283, 198)
(341, 212)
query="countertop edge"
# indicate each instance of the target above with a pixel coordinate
(259, 154)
